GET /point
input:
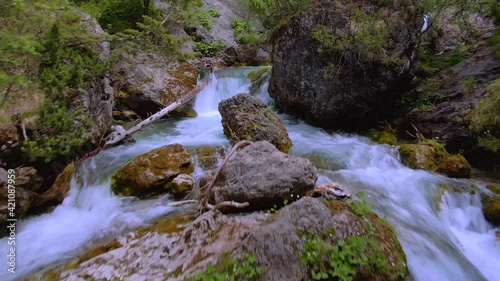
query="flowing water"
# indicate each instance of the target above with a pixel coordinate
(445, 238)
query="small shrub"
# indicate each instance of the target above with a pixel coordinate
(245, 32)
(209, 49)
(468, 85)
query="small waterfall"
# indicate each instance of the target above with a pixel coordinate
(446, 239)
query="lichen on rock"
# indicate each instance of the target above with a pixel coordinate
(147, 174)
(247, 118)
(432, 156)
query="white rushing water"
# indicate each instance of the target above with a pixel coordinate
(443, 240)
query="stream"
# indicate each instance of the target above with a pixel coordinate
(445, 239)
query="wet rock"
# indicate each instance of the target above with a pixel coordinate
(147, 174)
(277, 241)
(432, 156)
(246, 117)
(16, 209)
(27, 178)
(57, 192)
(491, 210)
(263, 176)
(181, 185)
(324, 74)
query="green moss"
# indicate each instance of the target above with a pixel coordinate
(432, 156)
(148, 173)
(245, 32)
(491, 210)
(363, 256)
(485, 120)
(256, 75)
(167, 225)
(384, 136)
(209, 49)
(468, 85)
(231, 269)
(493, 187)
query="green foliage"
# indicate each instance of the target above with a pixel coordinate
(485, 120)
(272, 12)
(119, 15)
(342, 260)
(361, 207)
(209, 49)
(363, 41)
(230, 269)
(59, 132)
(245, 32)
(468, 85)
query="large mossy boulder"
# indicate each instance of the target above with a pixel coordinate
(432, 156)
(302, 239)
(247, 118)
(149, 173)
(263, 176)
(491, 210)
(341, 63)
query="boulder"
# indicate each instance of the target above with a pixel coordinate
(340, 63)
(290, 245)
(246, 117)
(432, 156)
(149, 82)
(491, 210)
(181, 185)
(262, 176)
(23, 200)
(148, 174)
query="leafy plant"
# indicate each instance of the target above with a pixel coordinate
(230, 269)
(342, 260)
(245, 32)
(468, 85)
(209, 49)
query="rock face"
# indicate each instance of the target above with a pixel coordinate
(149, 173)
(149, 82)
(433, 156)
(333, 65)
(249, 118)
(280, 243)
(448, 117)
(263, 176)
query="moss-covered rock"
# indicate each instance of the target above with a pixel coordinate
(246, 117)
(491, 210)
(384, 137)
(147, 174)
(432, 156)
(271, 245)
(181, 185)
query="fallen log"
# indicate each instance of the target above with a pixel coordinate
(117, 137)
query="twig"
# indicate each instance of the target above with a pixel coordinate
(231, 204)
(207, 187)
(179, 203)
